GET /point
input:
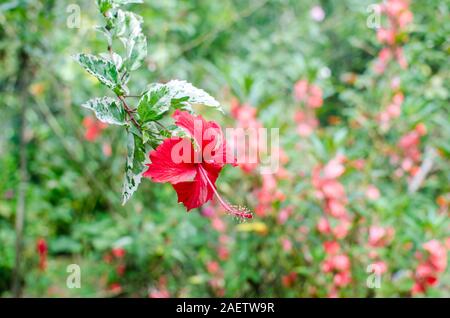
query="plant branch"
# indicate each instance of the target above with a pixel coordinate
(22, 83)
(129, 111)
(425, 168)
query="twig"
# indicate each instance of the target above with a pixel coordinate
(425, 168)
(129, 111)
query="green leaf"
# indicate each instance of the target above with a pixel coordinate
(106, 33)
(154, 103)
(103, 69)
(107, 110)
(124, 2)
(134, 166)
(339, 136)
(136, 52)
(127, 27)
(153, 135)
(105, 5)
(65, 244)
(177, 94)
(113, 57)
(185, 93)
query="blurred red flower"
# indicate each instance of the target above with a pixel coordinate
(42, 249)
(93, 128)
(118, 252)
(308, 93)
(427, 271)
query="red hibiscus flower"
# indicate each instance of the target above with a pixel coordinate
(192, 163)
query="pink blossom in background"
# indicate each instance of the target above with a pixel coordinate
(310, 98)
(284, 214)
(301, 90)
(208, 211)
(306, 123)
(332, 193)
(334, 168)
(384, 56)
(160, 291)
(218, 224)
(431, 265)
(245, 116)
(392, 111)
(395, 83)
(409, 146)
(268, 194)
(342, 279)
(216, 281)
(400, 57)
(399, 17)
(286, 244)
(372, 192)
(309, 94)
(359, 164)
(380, 267)
(386, 36)
(336, 208)
(317, 13)
(323, 226)
(380, 236)
(341, 230)
(107, 149)
(338, 264)
(223, 253)
(331, 247)
(437, 255)
(213, 267)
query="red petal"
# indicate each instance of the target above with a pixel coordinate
(189, 123)
(196, 193)
(163, 168)
(208, 136)
(197, 127)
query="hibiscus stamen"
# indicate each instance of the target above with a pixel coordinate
(239, 211)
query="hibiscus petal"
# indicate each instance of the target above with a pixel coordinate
(196, 193)
(190, 123)
(164, 167)
(203, 132)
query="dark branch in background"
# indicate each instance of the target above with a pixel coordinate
(21, 87)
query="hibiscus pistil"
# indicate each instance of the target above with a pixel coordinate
(239, 211)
